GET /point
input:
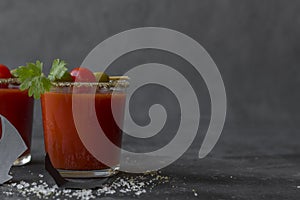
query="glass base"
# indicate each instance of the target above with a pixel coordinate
(89, 173)
(23, 160)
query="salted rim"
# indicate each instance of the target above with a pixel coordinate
(110, 84)
(9, 81)
(114, 82)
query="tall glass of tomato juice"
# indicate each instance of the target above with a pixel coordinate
(17, 107)
(66, 151)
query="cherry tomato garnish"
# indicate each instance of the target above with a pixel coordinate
(4, 73)
(81, 74)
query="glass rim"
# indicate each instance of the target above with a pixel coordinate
(9, 81)
(110, 84)
(113, 83)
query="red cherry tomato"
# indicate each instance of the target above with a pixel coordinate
(81, 74)
(4, 73)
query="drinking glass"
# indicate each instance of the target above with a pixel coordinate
(63, 144)
(17, 107)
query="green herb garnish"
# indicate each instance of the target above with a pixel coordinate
(58, 70)
(33, 79)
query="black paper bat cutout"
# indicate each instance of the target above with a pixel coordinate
(11, 147)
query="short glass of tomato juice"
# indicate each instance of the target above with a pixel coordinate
(67, 152)
(17, 107)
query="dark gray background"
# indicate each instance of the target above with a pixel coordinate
(255, 44)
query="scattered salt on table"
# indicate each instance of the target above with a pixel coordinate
(134, 185)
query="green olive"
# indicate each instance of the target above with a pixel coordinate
(101, 77)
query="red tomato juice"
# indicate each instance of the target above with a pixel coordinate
(62, 143)
(17, 107)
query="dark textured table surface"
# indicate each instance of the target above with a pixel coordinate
(245, 164)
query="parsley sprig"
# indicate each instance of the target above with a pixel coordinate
(32, 77)
(58, 70)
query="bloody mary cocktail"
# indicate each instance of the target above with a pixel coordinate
(62, 142)
(17, 107)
